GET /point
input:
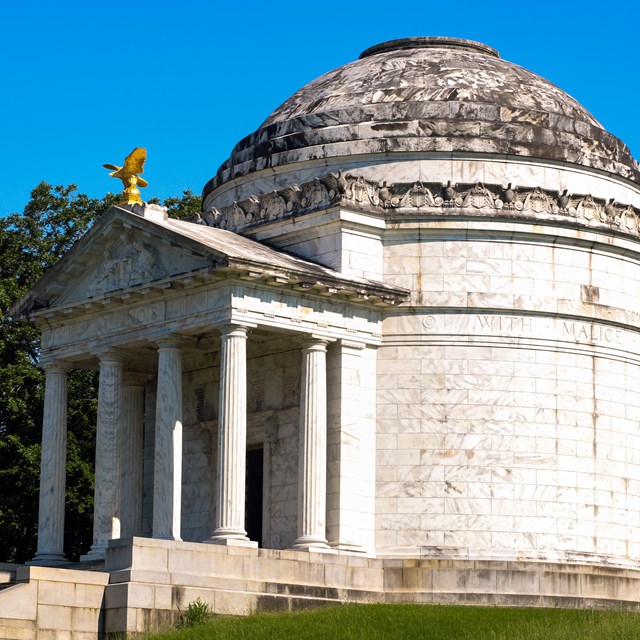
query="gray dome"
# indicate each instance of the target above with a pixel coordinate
(429, 95)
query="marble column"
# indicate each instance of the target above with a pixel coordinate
(232, 438)
(131, 452)
(106, 510)
(312, 465)
(53, 469)
(167, 461)
(150, 393)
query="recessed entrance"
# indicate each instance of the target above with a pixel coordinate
(253, 502)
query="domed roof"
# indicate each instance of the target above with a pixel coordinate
(428, 95)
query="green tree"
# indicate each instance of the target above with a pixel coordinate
(185, 207)
(30, 243)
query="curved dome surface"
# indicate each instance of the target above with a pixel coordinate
(429, 95)
(434, 72)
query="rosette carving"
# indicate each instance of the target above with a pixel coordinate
(357, 192)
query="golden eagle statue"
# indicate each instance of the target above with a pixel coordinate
(129, 174)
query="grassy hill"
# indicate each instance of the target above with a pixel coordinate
(427, 622)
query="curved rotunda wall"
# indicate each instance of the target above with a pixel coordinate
(508, 409)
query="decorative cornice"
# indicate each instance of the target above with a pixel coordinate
(354, 290)
(424, 199)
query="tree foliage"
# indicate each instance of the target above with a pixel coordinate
(185, 207)
(30, 243)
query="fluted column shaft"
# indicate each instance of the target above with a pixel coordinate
(150, 394)
(106, 510)
(131, 473)
(232, 437)
(53, 469)
(312, 470)
(167, 464)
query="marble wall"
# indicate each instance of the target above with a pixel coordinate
(502, 448)
(507, 397)
(334, 240)
(515, 267)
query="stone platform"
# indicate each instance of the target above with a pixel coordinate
(53, 604)
(146, 583)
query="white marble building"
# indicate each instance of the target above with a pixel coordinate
(402, 343)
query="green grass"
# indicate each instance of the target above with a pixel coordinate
(427, 622)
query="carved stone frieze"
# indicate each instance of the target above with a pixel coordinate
(127, 265)
(422, 198)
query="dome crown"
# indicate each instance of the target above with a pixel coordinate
(419, 71)
(425, 95)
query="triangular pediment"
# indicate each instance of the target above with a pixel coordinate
(126, 259)
(120, 252)
(129, 252)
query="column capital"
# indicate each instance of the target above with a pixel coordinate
(60, 367)
(313, 343)
(172, 341)
(233, 329)
(111, 356)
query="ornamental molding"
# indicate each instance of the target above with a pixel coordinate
(424, 199)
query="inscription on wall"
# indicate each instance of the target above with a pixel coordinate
(505, 325)
(578, 331)
(532, 327)
(582, 332)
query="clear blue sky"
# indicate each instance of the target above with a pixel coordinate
(85, 82)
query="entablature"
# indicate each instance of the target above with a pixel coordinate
(393, 201)
(200, 311)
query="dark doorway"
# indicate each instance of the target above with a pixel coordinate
(253, 504)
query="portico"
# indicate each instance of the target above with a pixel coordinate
(151, 340)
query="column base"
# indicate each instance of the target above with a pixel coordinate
(97, 553)
(231, 538)
(233, 542)
(45, 559)
(311, 543)
(348, 547)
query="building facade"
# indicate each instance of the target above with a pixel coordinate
(395, 358)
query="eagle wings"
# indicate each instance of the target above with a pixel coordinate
(133, 166)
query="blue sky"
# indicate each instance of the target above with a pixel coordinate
(83, 83)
